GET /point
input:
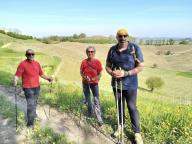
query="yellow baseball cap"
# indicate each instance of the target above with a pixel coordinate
(122, 32)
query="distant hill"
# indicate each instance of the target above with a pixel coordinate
(174, 57)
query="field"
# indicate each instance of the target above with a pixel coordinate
(165, 113)
(71, 54)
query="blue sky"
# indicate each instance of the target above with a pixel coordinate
(142, 18)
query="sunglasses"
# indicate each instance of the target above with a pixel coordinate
(90, 51)
(30, 54)
(120, 36)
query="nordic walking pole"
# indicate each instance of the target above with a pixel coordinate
(83, 100)
(50, 94)
(93, 104)
(81, 103)
(15, 108)
(121, 91)
(117, 104)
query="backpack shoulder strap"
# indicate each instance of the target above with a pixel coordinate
(137, 61)
(113, 49)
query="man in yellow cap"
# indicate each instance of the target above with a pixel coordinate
(124, 61)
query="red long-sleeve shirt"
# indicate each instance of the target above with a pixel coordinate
(91, 68)
(29, 71)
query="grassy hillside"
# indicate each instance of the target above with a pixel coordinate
(165, 114)
(71, 55)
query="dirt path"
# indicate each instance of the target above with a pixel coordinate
(59, 122)
(58, 68)
(6, 45)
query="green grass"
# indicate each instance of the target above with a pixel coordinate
(5, 78)
(47, 135)
(5, 39)
(164, 114)
(185, 74)
(176, 88)
(49, 64)
(161, 122)
(10, 53)
(71, 55)
(8, 111)
(1, 43)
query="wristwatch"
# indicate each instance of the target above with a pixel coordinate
(126, 73)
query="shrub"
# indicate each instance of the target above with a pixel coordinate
(46, 41)
(154, 82)
(82, 38)
(154, 65)
(2, 31)
(184, 42)
(171, 41)
(19, 36)
(47, 135)
(168, 52)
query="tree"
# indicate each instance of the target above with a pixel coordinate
(82, 35)
(54, 38)
(154, 82)
(184, 42)
(171, 41)
(75, 36)
(168, 52)
(163, 41)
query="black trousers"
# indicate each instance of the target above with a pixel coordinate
(31, 95)
(130, 96)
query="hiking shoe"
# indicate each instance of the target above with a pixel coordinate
(138, 138)
(100, 122)
(29, 130)
(30, 126)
